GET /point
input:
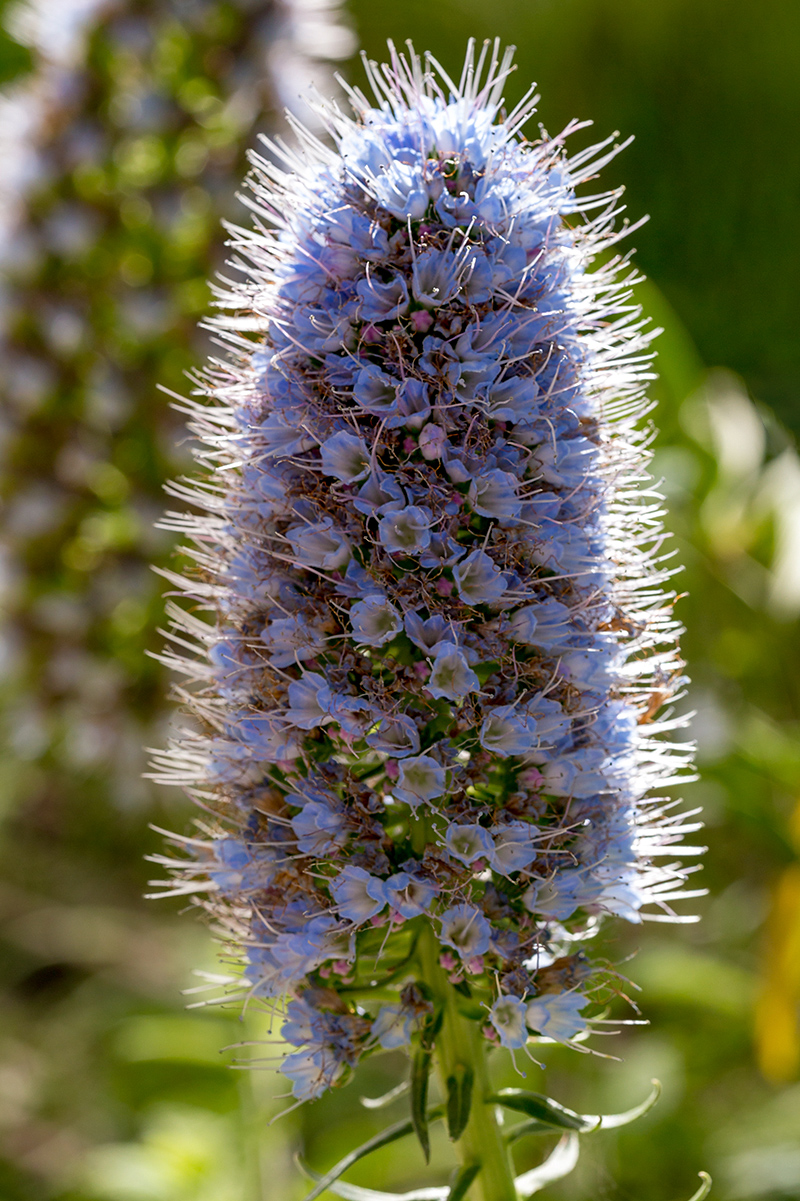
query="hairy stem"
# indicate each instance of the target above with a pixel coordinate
(461, 1048)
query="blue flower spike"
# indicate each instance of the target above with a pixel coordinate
(427, 703)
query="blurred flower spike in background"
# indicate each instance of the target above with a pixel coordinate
(427, 433)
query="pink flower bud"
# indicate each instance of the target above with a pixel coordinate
(432, 441)
(421, 321)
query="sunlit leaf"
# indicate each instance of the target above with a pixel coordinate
(353, 1192)
(558, 1164)
(544, 1109)
(387, 1098)
(389, 1135)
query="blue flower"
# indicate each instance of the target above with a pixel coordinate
(376, 393)
(427, 633)
(401, 190)
(309, 701)
(513, 848)
(413, 402)
(320, 829)
(466, 930)
(345, 456)
(357, 894)
(468, 842)
(409, 894)
(382, 301)
(280, 436)
(311, 1072)
(507, 1015)
(421, 779)
(434, 277)
(546, 624)
(557, 1015)
(374, 621)
(393, 1026)
(516, 400)
(478, 579)
(319, 545)
(291, 640)
(406, 531)
(451, 675)
(432, 581)
(495, 495)
(395, 736)
(505, 732)
(380, 494)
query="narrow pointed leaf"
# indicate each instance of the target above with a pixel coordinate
(558, 1164)
(420, 1074)
(466, 1100)
(536, 1105)
(387, 1098)
(353, 1192)
(389, 1135)
(704, 1189)
(462, 1180)
(534, 1126)
(459, 1101)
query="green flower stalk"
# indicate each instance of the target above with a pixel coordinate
(426, 705)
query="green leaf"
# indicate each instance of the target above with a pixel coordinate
(420, 1074)
(353, 1192)
(389, 1135)
(459, 1100)
(704, 1189)
(534, 1126)
(461, 1179)
(535, 1105)
(387, 1098)
(559, 1163)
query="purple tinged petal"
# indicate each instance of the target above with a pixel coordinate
(466, 930)
(478, 580)
(421, 778)
(406, 531)
(374, 621)
(346, 457)
(557, 1015)
(351, 892)
(319, 545)
(451, 675)
(507, 1015)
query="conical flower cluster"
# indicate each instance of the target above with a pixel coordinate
(440, 636)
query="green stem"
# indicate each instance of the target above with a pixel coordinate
(461, 1047)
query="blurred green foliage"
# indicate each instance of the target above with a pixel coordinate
(109, 1090)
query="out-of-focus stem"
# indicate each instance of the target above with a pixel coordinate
(460, 1048)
